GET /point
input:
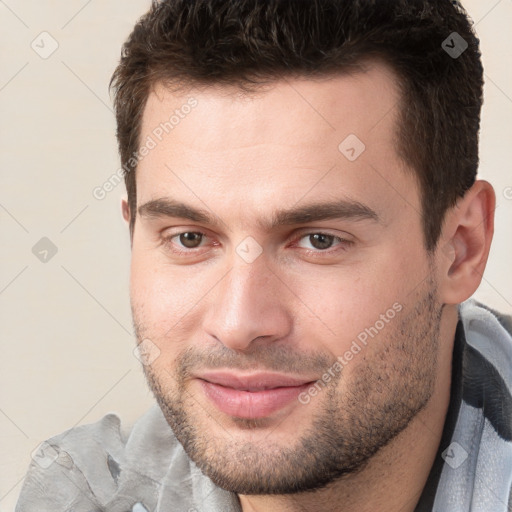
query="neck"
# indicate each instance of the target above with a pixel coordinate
(395, 476)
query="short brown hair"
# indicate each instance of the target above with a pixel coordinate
(250, 42)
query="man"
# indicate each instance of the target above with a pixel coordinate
(306, 230)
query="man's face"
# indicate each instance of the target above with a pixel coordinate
(289, 340)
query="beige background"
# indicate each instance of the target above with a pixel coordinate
(66, 342)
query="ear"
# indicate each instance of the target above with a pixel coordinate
(125, 208)
(465, 242)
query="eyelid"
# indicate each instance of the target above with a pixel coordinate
(342, 244)
(166, 239)
(300, 233)
(342, 241)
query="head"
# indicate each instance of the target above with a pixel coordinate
(301, 188)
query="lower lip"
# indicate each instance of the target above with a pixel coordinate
(251, 404)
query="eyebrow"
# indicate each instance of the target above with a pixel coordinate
(312, 212)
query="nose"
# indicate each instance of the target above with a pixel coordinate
(248, 303)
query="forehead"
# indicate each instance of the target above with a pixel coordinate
(296, 137)
(355, 100)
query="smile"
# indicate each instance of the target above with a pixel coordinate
(251, 397)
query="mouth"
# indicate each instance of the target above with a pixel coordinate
(251, 396)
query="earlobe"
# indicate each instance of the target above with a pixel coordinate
(125, 209)
(467, 236)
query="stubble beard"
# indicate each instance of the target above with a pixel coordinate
(353, 419)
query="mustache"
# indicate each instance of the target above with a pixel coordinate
(259, 357)
(273, 357)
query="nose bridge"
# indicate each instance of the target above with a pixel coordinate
(246, 291)
(252, 282)
(247, 305)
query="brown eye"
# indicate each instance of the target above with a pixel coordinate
(191, 240)
(319, 243)
(321, 240)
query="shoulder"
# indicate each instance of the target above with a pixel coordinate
(489, 333)
(478, 461)
(86, 466)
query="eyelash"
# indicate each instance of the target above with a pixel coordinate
(341, 246)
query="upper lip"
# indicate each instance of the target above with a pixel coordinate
(254, 381)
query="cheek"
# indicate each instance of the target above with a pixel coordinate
(158, 296)
(168, 300)
(364, 303)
